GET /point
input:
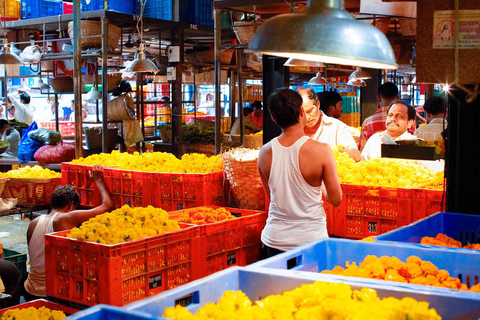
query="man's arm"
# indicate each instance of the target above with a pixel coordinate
(346, 139)
(331, 181)
(76, 218)
(264, 165)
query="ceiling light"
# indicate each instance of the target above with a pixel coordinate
(40, 85)
(303, 63)
(94, 94)
(318, 79)
(7, 57)
(141, 64)
(325, 33)
(357, 83)
(359, 74)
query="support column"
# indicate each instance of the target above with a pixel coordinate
(177, 131)
(104, 85)
(369, 94)
(218, 81)
(77, 79)
(463, 154)
(275, 75)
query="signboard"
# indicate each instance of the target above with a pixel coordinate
(444, 29)
(400, 9)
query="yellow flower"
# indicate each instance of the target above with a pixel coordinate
(33, 172)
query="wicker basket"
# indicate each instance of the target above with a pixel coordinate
(253, 142)
(245, 182)
(408, 26)
(244, 30)
(119, 109)
(382, 24)
(31, 192)
(206, 149)
(2, 184)
(62, 84)
(94, 28)
(208, 56)
(113, 81)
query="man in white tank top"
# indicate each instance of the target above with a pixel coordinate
(64, 216)
(293, 169)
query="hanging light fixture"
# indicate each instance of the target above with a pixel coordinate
(303, 63)
(357, 83)
(327, 33)
(7, 57)
(318, 79)
(359, 74)
(94, 94)
(39, 84)
(141, 63)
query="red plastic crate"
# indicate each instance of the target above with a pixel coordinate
(131, 188)
(426, 202)
(67, 8)
(177, 191)
(42, 303)
(66, 128)
(86, 273)
(79, 176)
(368, 211)
(222, 244)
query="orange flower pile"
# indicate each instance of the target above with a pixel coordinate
(204, 215)
(413, 271)
(445, 241)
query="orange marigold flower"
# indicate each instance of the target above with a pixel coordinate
(475, 288)
(429, 268)
(443, 275)
(414, 259)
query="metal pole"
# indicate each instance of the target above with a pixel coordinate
(104, 84)
(77, 79)
(218, 81)
(57, 126)
(232, 98)
(240, 94)
(142, 108)
(176, 88)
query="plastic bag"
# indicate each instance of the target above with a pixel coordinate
(132, 132)
(27, 146)
(45, 136)
(55, 154)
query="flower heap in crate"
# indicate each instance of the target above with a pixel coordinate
(32, 313)
(386, 172)
(204, 215)
(320, 300)
(443, 240)
(155, 162)
(125, 224)
(33, 172)
(414, 271)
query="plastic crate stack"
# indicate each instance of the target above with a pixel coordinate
(40, 8)
(66, 128)
(12, 10)
(86, 273)
(371, 211)
(124, 6)
(351, 111)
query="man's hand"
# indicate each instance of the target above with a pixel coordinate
(353, 153)
(97, 173)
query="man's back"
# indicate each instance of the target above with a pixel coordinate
(431, 131)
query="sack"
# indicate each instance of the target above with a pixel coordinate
(55, 154)
(121, 108)
(132, 132)
(27, 146)
(45, 136)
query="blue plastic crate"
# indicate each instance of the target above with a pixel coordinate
(125, 6)
(158, 9)
(40, 8)
(461, 227)
(104, 312)
(329, 253)
(258, 284)
(198, 12)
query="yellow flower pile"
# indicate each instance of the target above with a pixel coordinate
(155, 162)
(125, 224)
(386, 172)
(320, 300)
(2, 175)
(259, 133)
(33, 172)
(32, 314)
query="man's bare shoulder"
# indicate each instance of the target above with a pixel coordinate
(266, 149)
(314, 148)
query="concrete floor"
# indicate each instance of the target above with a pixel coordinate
(13, 233)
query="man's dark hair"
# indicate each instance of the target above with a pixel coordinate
(3, 123)
(256, 104)
(411, 110)
(435, 105)
(284, 105)
(309, 92)
(388, 90)
(25, 97)
(327, 99)
(63, 196)
(247, 111)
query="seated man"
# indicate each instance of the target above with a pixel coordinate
(248, 124)
(435, 108)
(10, 283)
(11, 135)
(64, 216)
(400, 118)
